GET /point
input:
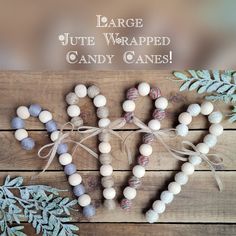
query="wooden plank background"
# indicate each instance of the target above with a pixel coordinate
(200, 209)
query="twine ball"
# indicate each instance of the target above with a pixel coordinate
(89, 211)
(51, 126)
(62, 148)
(215, 117)
(81, 90)
(145, 149)
(109, 193)
(17, 123)
(93, 91)
(143, 160)
(154, 125)
(72, 98)
(77, 121)
(151, 216)
(194, 109)
(74, 179)
(23, 112)
(128, 106)
(181, 178)
(104, 147)
(206, 108)
(110, 204)
(138, 171)
(161, 103)
(65, 159)
(148, 138)
(174, 187)
(45, 116)
(134, 182)
(216, 129)
(35, 110)
(210, 140)
(21, 134)
(182, 130)
(195, 160)
(129, 193)
(155, 93)
(84, 200)
(70, 169)
(104, 137)
(99, 101)
(106, 170)
(143, 89)
(159, 206)
(159, 114)
(129, 116)
(167, 197)
(187, 168)
(73, 110)
(102, 112)
(27, 144)
(203, 148)
(79, 190)
(107, 181)
(105, 158)
(132, 94)
(126, 204)
(104, 122)
(54, 135)
(185, 118)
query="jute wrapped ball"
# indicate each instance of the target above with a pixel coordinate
(104, 137)
(72, 98)
(93, 91)
(77, 121)
(110, 204)
(102, 112)
(107, 181)
(105, 158)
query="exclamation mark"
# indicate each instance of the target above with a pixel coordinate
(170, 56)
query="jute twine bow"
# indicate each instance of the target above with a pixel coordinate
(204, 157)
(94, 131)
(62, 138)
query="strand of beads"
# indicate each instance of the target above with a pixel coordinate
(187, 169)
(65, 159)
(145, 149)
(99, 101)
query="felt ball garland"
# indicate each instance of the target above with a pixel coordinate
(104, 147)
(145, 149)
(187, 168)
(65, 159)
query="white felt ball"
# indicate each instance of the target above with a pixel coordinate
(54, 135)
(84, 200)
(106, 170)
(216, 129)
(129, 193)
(73, 110)
(161, 103)
(23, 112)
(194, 109)
(203, 148)
(195, 160)
(159, 206)
(185, 118)
(167, 197)
(207, 108)
(138, 171)
(154, 125)
(81, 90)
(104, 122)
(128, 106)
(99, 101)
(144, 89)
(210, 140)
(104, 147)
(182, 130)
(215, 117)
(174, 187)
(21, 134)
(145, 149)
(65, 159)
(181, 178)
(109, 193)
(187, 168)
(45, 116)
(74, 179)
(151, 216)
